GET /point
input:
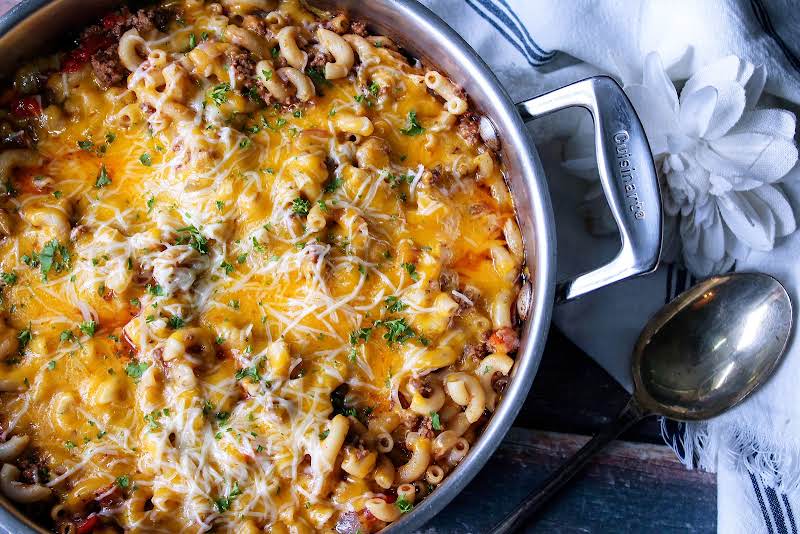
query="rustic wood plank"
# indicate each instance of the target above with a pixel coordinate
(630, 487)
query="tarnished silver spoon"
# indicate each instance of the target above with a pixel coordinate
(700, 355)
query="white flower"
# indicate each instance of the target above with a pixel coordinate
(719, 159)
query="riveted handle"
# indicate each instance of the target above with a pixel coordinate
(627, 174)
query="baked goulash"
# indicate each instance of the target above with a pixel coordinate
(258, 269)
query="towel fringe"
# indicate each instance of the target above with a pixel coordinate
(698, 447)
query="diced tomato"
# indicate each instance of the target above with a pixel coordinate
(81, 55)
(26, 107)
(111, 20)
(88, 525)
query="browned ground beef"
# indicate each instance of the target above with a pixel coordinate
(107, 67)
(359, 28)
(469, 128)
(243, 67)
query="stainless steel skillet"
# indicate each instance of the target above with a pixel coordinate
(626, 167)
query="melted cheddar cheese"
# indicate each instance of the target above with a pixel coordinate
(230, 304)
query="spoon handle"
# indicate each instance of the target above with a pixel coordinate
(629, 416)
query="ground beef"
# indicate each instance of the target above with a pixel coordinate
(504, 340)
(243, 67)
(107, 67)
(359, 28)
(499, 382)
(425, 428)
(256, 25)
(318, 60)
(348, 523)
(33, 468)
(469, 128)
(475, 352)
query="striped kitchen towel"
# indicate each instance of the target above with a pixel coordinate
(537, 45)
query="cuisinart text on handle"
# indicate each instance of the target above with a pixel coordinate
(626, 170)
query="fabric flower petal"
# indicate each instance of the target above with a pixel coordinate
(757, 155)
(730, 105)
(777, 122)
(755, 86)
(721, 71)
(749, 218)
(775, 199)
(657, 80)
(696, 111)
(656, 116)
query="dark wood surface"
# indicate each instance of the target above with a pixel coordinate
(636, 485)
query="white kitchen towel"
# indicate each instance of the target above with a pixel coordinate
(537, 45)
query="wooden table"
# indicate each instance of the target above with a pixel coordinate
(637, 485)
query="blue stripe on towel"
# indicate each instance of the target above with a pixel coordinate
(501, 10)
(777, 511)
(503, 24)
(761, 504)
(789, 513)
(532, 62)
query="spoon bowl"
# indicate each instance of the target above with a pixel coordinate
(711, 347)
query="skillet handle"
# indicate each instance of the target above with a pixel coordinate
(627, 174)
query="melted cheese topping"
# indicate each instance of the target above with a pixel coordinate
(191, 296)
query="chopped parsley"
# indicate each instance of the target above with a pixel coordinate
(85, 144)
(267, 74)
(136, 369)
(123, 481)
(220, 205)
(55, 256)
(155, 290)
(318, 77)
(397, 330)
(69, 445)
(435, 421)
(175, 322)
(411, 269)
(219, 94)
(403, 505)
(193, 238)
(248, 372)
(227, 267)
(322, 205)
(394, 304)
(301, 206)
(145, 159)
(374, 88)
(362, 334)
(223, 504)
(67, 335)
(414, 127)
(102, 178)
(88, 327)
(333, 185)
(9, 279)
(51, 365)
(192, 41)
(324, 434)
(234, 304)
(24, 337)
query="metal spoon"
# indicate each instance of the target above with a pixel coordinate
(700, 355)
